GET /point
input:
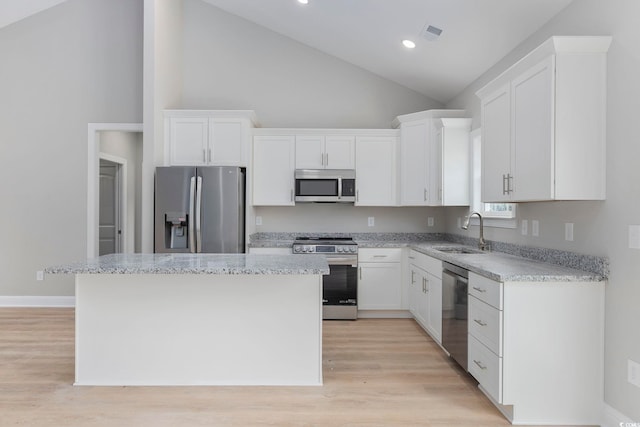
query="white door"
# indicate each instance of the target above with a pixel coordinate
(496, 145)
(109, 229)
(189, 144)
(376, 171)
(310, 152)
(340, 152)
(273, 170)
(533, 133)
(413, 167)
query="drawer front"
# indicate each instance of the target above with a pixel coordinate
(485, 324)
(486, 290)
(486, 367)
(379, 255)
(427, 263)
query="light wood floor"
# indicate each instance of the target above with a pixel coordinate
(376, 373)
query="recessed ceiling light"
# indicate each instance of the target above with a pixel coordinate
(408, 44)
(303, 1)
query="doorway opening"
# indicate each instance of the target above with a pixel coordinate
(112, 200)
(114, 191)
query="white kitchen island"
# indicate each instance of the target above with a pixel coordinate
(198, 319)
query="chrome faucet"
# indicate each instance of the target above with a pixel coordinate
(465, 226)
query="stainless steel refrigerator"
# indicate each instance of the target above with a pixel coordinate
(200, 209)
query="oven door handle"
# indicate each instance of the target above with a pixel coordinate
(343, 261)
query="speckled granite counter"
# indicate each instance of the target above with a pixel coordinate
(505, 262)
(197, 264)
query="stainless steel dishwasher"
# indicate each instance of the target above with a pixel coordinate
(455, 284)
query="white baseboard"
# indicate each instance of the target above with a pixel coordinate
(613, 418)
(37, 301)
(384, 314)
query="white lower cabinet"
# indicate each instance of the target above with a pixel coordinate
(536, 348)
(379, 279)
(425, 293)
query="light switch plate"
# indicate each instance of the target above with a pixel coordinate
(524, 227)
(371, 221)
(634, 236)
(568, 231)
(535, 227)
(430, 221)
(633, 372)
(39, 275)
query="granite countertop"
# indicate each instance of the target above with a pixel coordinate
(504, 267)
(510, 263)
(197, 264)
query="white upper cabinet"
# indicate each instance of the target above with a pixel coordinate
(325, 152)
(433, 161)
(543, 124)
(451, 166)
(376, 183)
(206, 137)
(273, 170)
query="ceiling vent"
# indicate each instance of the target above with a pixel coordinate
(431, 33)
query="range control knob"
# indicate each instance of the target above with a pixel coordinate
(296, 249)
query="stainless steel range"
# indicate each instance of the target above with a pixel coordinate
(340, 287)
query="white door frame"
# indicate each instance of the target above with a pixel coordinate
(124, 242)
(93, 181)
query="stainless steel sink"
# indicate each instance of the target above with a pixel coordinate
(458, 250)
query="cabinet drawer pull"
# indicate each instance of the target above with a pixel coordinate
(480, 365)
(412, 277)
(480, 322)
(412, 257)
(479, 289)
(380, 256)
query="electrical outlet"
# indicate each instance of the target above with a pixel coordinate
(430, 221)
(39, 275)
(633, 372)
(535, 228)
(524, 227)
(371, 221)
(568, 231)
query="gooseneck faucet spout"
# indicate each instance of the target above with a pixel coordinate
(465, 226)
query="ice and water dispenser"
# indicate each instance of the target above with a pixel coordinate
(176, 233)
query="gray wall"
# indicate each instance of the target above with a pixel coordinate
(74, 64)
(231, 63)
(601, 228)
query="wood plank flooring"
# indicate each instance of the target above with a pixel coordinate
(377, 372)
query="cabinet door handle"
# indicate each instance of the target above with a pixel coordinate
(480, 322)
(327, 161)
(209, 155)
(505, 189)
(204, 156)
(426, 285)
(425, 194)
(412, 277)
(322, 159)
(479, 289)
(360, 269)
(480, 365)
(357, 195)
(292, 195)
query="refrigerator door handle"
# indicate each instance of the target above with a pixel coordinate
(192, 234)
(198, 216)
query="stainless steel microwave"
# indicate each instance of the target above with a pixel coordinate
(325, 185)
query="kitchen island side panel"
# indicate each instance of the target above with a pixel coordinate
(180, 329)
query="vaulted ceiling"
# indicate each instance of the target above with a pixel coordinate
(368, 33)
